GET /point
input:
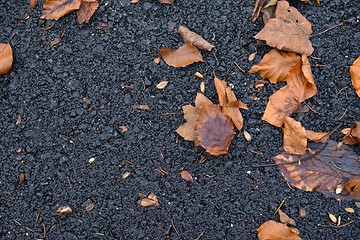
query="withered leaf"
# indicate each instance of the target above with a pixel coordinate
(187, 130)
(33, 3)
(182, 57)
(256, 12)
(333, 218)
(276, 65)
(271, 230)
(186, 176)
(141, 107)
(237, 104)
(294, 137)
(214, 130)
(64, 210)
(233, 112)
(353, 187)
(150, 200)
(87, 9)
(220, 86)
(352, 135)
(194, 38)
(319, 137)
(284, 218)
(201, 99)
(355, 75)
(289, 30)
(55, 9)
(166, 1)
(322, 168)
(6, 58)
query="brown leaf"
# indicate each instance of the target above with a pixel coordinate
(64, 210)
(237, 104)
(355, 75)
(271, 230)
(256, 12)
(289, 31)
(220, 86)
(6, 58)
(233, 112)
(33, 3)
(55, 41)
(186, 176)
(276, 65)
(150, 200)
(284, 218)
(214, 130)
(194, 38)
(352, 135)
(185, 55)
(294, 137)
(87, 9)
(141, 107)
(55, 9)
(353, 187)
(319, 137)
(201, 99)
(166, 1)
(322, 168)
(187, 130)
(333, 218)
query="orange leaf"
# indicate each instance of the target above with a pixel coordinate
(87, 9)
(187, 130)
(233, 112)
(64, 210)
(355, 75)
(166, 1)
(322, 168)
(55, 9)
(289, 31)
(271, 230)
(201, 99)
(294, 137)
(150, 200)
(319, 137)
(353, 187)
(33, 3)
(237, 104)
(220, 86)
(214, 130)
(6, 58)
(352, 135)
(194, 38)
(276, 65)
(186, 176)
(182, 57)
(141, 107)
(284, 218)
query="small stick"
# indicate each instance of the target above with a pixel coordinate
(343, 114)
(177, 233)
(313, 109)
(217, 60)
(319, 65)
(11, 37)
(70, 185)
(282, 203)
(330, 28)
(237, 65)
(201, 234)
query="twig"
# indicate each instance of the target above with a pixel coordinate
(330, 28)
(217, 60)
(177, 233)
(343, 114)
(11, 37)
(313, 109)
(319, 65)
(201, 234)
(319, 225)
(282, 203)
(237, 65)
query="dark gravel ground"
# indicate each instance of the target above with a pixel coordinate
(59, 132)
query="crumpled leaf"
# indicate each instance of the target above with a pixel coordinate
(353, 187)
(214, 130)
(352, 135)
(233, 112)
(284, 218)
(185, 55)
(271, 230)
(87, 9)
(187, 130)
(195, 39)
(294, 137)
(319, 137)
(33, 4)
(355, 75)
(150, 200)
(6, 58)
(322, 168)
(276, 65)
(289, 30)
(55, 9)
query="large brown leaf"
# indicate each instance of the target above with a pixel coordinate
(294, 137)
(195, 39)
(55, 9)
(322, 168)
(289, 31)
(352, 135)
(6, 58)
(355, 75)
(276, 65)
(182, 57)
(87, 9)
(271, 230)
(214, 130)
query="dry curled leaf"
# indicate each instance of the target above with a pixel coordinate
(284, 218)
(319, 137)
(64, 210)
(289, 30)
(271, 230)
(187, 130)
(87, 9)
(55, 9)
(186, 176)
(150, 200)
(194, 38)
(276, 65)
(352, 135)
(355, 75)
(294, 137)
(6, 58)
(33, 3)
(322, 168)
(220, 86)
(185, 55)
(353, 187)
(233, 111)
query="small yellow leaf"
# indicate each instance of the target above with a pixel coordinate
(247, 136)
(349, 210)
(332, 218)
(252, 57)
(202, 87)
(162, 85)
(199, 75)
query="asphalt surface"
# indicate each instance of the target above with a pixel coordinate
(72, 98)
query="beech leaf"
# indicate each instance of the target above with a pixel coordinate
(187, 130)
(182, 57)
(194, 38)
(6, 58)
(87, 9)
(233, 112)
(271, 230)
(220, 86)
(319, 137)
(355, 75)
(352, 135)
(33, 4)
(289, 30)
(284, 218)
(353, 187)
(322, 168)
(294, 137)
(55, 9)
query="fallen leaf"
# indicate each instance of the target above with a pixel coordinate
(64, 210)
(302, 212)
(141, 107)
(276, 65)
(186, 176)
(322, 168)
(90, 207)
(21, 177)
(252, 57)
(157, 60)
(333, 218)
(55, 9)
(33, 4)
(247, 136)
(284, 218)
(220, 86)
(199, 75)
(123, 129)
(55, 41)
(350, 210)
(87, 9)
(202, 87)
(182, 57)
(355, 75)
(353, 187)
(92, 160)
(6, 58)
(271, 230)
(194, 38)
(294, 137)
(237, 104)
(201, 99)
(233, 112)
(150, 200)
(166, 1)
(319, 137)
(289, 30)
(256, 12)
(352, 135)
(260, 83)
(125, 175)
(214, 130)
(134, 1)
(162, 85)
(187, 130)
